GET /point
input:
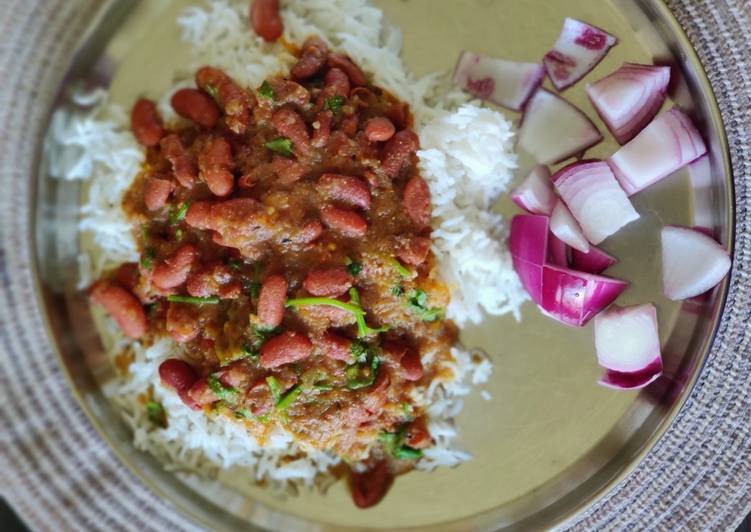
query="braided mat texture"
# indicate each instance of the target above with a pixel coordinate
(59, 475)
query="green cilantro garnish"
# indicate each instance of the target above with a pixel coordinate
(333, 104)
(282, 146)
(213, 300)
(400, 268)
(417, 302)
(393, 444)
(157, 415)
(359, 351)
(225, 393)
(362, 375)
(266, 91)
(147, 260)
(276, 391)
(354, 268)
(176, 216)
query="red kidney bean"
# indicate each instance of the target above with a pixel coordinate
(266, 20)
(259, 398)
(346, 189)
(182, 165)
(349, 124)
(376, 398)
(215, 279)
(127, 275)
(156, 192)
(333, 316)
(291, 125)
(122, 306)
(313, 56)
(336, 346)
(285, 348)
(145, 123)
(215, 163)
(183, 322)
(309, 232)
(379, 129)
(321, 129)
(286, 91)
(411, 365)
(417, 201)
(288, 171)
(196, 106)
(413, 250)
(175, 269)
(348, 223)
(369, 487)
(271, 300)
(177, 374)
(242, 223)
(416, 435)
(336, 83)
(198, 215)
(398, 150)
(356, 76)
(331, 282)
(201, 394)
(232, 98)
(237, 375)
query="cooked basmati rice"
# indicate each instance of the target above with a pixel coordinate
(97, 146)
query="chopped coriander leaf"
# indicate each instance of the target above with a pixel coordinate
(362, 375)
(255, 289)
(156, 414)
(323, 387)
(179, 234)
(243, 413)
(359, 351)
(213, 300)
(397, 290)
(408, 411)
(405, 452)
(147, 260)
(400, 268)
(393, 445)
(276, 391)
(266, 91)
(225, 393)
(282, 146)
(234, 264)
(362, 327)
(145, 233)
(354, 268)
(211, 90)
(249, 352)
(417, 302)
(288, 398)
(307, 301)
(176, 216)
(333, 104)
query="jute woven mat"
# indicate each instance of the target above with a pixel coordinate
(59, 475)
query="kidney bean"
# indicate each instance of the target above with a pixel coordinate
(266, 20)
(285, 348)
(242, 223)
(271, 300)
(331, 282)
(379, 129)
(127, 275)
(321, 129)
(416, 435)
(336, 83)
(183, 322)
(122, 306)
(413, 250)
(340, 146)
(215, 163)
(177, 374)
(313, 56)
(237, 375)
(376, 398)
(349, 124)
(156, 192)
(198, 215)
(356, 76)
(309, 232)
(196, 106)
(411, 365)
(369, 487)
(201, 393)
(332, 316)
(348, 223)
(182, 165)
(291, 125)
(259, 398)
(215, 279)
(286, 91)
(346, 189)
(175, 269)
(288, 171)
(416, 201)
(145, 123)
(336, 347)
(398, 150)
(232, 98)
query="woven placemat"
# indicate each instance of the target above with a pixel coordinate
(59, 475)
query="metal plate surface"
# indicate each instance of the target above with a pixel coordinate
(551, 441)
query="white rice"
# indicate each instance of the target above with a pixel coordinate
(465, 178)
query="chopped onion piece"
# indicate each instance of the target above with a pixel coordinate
(552, 129)
(536, 194)
(692, 262)
(528, 243)
(564, 226)
(595, 199)
(558, 251)
(629, 98)
(626, 339)
(506, 83)
(669, 143)
(575, 297)
(635, 380)
(594, 261)
(577, 51)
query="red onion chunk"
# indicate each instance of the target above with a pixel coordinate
(574, 297)
(626, 338)
(536, 194)
(629, 98)
(594, 197)
(506, 83)
(692, 262)
(577, 51)
(565, 227)
(528, 243)
(594, 261)
(557, 251)
(667, 144)
(635, 380)
(552, 129)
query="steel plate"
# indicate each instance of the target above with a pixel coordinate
(551, 441)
